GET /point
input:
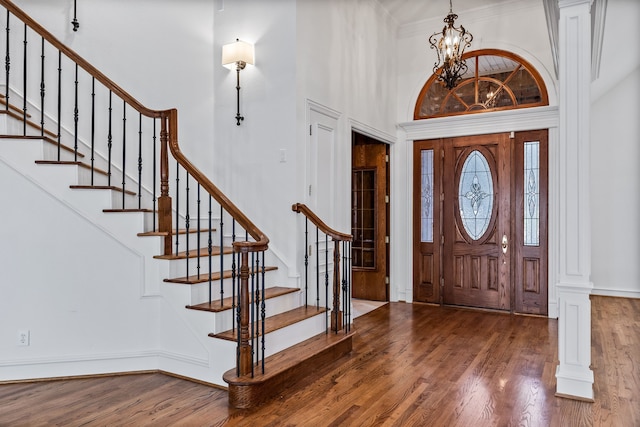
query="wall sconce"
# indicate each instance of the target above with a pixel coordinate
(239, 53)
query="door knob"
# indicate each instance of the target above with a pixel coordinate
(505, 243)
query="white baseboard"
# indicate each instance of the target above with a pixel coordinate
(615, 293)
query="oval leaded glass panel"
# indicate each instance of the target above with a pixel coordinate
(475, 195)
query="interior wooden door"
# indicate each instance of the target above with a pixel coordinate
(476, 223)
(369, 219)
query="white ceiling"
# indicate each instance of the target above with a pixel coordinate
(410, 11)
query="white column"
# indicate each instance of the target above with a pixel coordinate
(574, 376)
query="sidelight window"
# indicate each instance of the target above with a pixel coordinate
(426, 196)
(531, 193)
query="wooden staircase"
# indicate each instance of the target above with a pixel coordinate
(297, 335)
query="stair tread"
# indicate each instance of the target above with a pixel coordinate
(181, 231)
(204, 277)
(101, 187)
(226, 304)
(20, 116)
(43, 138)
(127, 210)
(74, 163)
(290, 358)
(194, 253)
(3, 101)
(278, 321)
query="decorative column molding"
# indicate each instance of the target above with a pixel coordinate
(574, 376)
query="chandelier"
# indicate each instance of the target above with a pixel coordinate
(450, 45)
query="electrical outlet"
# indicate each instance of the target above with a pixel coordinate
(23, 337)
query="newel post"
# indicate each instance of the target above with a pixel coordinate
(245, 357)
(164, 201)
(336, 314)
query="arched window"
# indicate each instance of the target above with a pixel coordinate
(495, 80)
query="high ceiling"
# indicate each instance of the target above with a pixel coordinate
(409, 11)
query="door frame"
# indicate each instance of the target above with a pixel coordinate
(381, 208)
(525, 119)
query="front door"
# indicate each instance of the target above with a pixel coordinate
(480, 221)
(476, 221)
(369, 218)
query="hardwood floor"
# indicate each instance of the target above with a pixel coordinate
(412, 365)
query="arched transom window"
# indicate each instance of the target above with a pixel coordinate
(495, 80)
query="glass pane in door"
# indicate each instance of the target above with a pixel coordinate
(426, 196)
(532, 193)
(363, 218)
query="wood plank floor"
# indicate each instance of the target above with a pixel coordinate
(412, 365)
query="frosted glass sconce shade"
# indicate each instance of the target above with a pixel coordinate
(239, 53)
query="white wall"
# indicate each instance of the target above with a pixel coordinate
(84, 315)
(346, 63)
(159, 51)
(335, 53)
(247, 157)
(615, 153)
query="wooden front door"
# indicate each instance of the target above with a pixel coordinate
(480, 221)
(369, 218)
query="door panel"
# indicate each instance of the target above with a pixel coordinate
(369, 219)
(476, 216)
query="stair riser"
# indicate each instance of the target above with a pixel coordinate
(189, 267)
(273, 306)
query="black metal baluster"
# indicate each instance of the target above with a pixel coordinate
(187, 224)
(221, 235)
(210, 250)
(306, 261)
(235, 275)
(154, 175)
(256, 306)
(75, 117)
(326, 281)
(59, 102)
(109, 139)
(42, 89)
(263, 314)
(349, 283)
(198, 233)
(24, 85)
(177, 231)
(139, 160)
(252, 310)
(7, 64)
(238, 311)
(93, 128)
(124, 151)
(343, 276)
(317, 268)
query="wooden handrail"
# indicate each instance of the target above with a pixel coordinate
(335, 235)
(261, 240)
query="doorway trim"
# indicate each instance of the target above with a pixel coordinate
(546, 117)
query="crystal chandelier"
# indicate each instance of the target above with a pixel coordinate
(450, 44)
